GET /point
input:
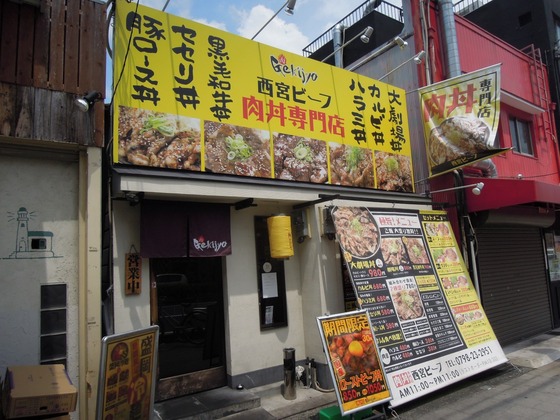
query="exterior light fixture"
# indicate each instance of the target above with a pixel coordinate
(290, 4)
(367, 33)
(476, 189)
(134, 198)
(86, 102)
(290, 7)
(417, 59)
(364, 37)
(400, 42)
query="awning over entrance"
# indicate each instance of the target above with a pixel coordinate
(498, 193)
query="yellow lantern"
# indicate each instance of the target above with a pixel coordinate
(280, 236)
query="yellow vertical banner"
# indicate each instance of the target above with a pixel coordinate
(461, 117)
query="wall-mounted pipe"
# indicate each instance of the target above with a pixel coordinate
(450, 39)
(338, 41)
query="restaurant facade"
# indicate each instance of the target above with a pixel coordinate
(223, 179)
(228, 171)
(229, 163)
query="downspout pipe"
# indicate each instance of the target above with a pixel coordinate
(338, 32)
(450, 39)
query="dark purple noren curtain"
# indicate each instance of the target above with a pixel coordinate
(172, 229)
(209, 230)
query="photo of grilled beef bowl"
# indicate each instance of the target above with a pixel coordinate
(356, 352)
(300, 159)
(150, 138)
(236, 150)
(393, 172)
(458, 136)
(351, 166)
(408, 304)
(393, 251)
(416, 250)
(357, 230)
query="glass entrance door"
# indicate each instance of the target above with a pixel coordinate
(187, 304)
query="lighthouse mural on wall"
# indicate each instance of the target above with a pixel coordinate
(31, 243)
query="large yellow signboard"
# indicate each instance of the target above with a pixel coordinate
(191, 97)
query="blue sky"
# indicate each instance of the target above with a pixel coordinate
(245, 17)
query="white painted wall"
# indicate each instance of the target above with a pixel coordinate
(48, 189)
(131, 312)
(249, 348)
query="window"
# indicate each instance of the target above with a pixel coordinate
(521, 140)
(38, 244)
(53, 324)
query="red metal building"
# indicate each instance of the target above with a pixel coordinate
(503, 230)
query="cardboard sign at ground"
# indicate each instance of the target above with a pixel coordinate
(407, 272)
(128, 375)
(354, 361)
(37, 390)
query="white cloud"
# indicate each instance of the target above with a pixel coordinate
(278, 33)
(212, 23)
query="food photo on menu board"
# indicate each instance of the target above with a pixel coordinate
(407, 272)
(353, 358)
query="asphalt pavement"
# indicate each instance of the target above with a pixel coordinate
(527, 387)
(509, 392)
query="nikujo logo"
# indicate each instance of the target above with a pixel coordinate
(280, 66)
(202, 244)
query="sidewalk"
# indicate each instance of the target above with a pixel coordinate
(508, 393)
(526, 388)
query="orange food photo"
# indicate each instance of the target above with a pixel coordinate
(355, 349)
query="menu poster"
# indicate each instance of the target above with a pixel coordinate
(127, 380)
(407, 272)
(353, 358)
